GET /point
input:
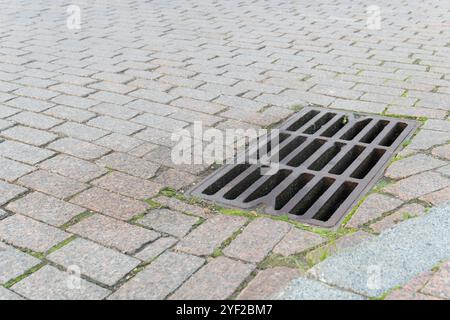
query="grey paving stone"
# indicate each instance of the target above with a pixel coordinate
(52, 184)
(45, 208)
(7, 111)
(30, 104)
(418, 185)
(14, 263)
(29, 135)
(23, 152)
(160, 278)
(175, 179)
(24, 232)
(268, 283)
(151, 107)
(215, 281)
(3, 214)
(115, 125)
(308, 289)
(114, 233)
(129, 164)
(413, 165)
(257, 240)
(439, 125)
(36, 93)
(119, 142)
(72, 167)
(9, 191)
(10, 170)
(297, 241)
(442, 152)
(6, 294)
(78, 148)
(178, 205)
(358, 106)
(109, 203)
(404, 213)
(159, 122)
(69, 113)
(167, 221)
(154, 249)
(426, 139)
(396, 252)
(4, 124)
(74, 101)
(210, 235)
(438, 197)
(372, 208)
(115, 111)
(80, 131)
(48, 283)
(36, 120)
(97, 262)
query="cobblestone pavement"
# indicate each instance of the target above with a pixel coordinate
(86, 182)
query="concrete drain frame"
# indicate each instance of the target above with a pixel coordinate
(327, 161)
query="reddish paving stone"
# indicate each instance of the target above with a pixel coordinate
(217, 280)
(210, 235)
(119, 142)
(45, 208)
(128, 185)
(72, 167)
(409, 295)
(439, 284)
(160, 278)
(181, 206)
(9, 191)
(268, 283)
(372, 208)
(297, 241)
(418, 185)
(404, 213)
(111, 204)
(167, 221)
(176, 179)
(52, 184)
(154, 249)
(413, 165)
(438, 197)
(442, 152)
(257, 240)
(114, 233)
(132, 165)
(417, 283)
(27, 233)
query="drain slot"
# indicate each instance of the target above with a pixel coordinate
(392, 136)
(375, 131)
(326, 157)
(347, 160)
(287, 194)
(357, 128)
(303, 120)
(368, 164)
(335, 201)
(290, 147)
(335, 127)
(304, 154)
(239, 188)
(226, 179)
(268, 185)
(316, 192)
(320, 123)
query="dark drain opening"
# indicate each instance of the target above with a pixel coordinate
(316, 192)
(335, 201)
(268, 185)
(356, 147)
(267, 147)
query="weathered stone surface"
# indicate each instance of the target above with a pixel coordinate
(438, 197)
(48, 283)
(160, 278)
(27, 233)
(111, 204)
(23, 152)
(418, 185)
(372, 208)
(29, 135)
(176, 179)
(269, 283)
(413, 165)
(439, 284)
(257, 240)
(134, 166)
(167, 221)
(210, 235)
(13, 263)
(181, 206)
(406, 212)
(10, 170)
(215, 281)
(426, 139)
(439, 125)
(113, 233)
(154, 249)
(6, 294)
(97, 262)
(442, 152)
(9, 192)
(45, 208)
(297, 241)
(78, 148)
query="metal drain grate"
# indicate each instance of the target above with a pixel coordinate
(327, 161)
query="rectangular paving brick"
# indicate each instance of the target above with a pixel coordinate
(128, 185)
(13, 263)
(72, 167)
(418, 185)
(95, 261)
(78, 148)
(111, 204)
(115, 111)
(413, 165)
(74, 101)
(115, 125)
(154, 249)
(167, 221)
(10, 170)
(160, 278)
(30, 104)
(297, 241)
(181, 206)
(113, 233)
(80, 131)
(45, 208)
(215, 281)
(159, 122)
(257, 240)
(49, 283)
(24, 152)
(210, 235)
(52, 184)
(36, 120)
(119, 142)
(9, 191)
(69, 113)
(6, 295)
(27, 233)
(29, 135)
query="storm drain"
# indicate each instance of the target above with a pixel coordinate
(326, 161)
